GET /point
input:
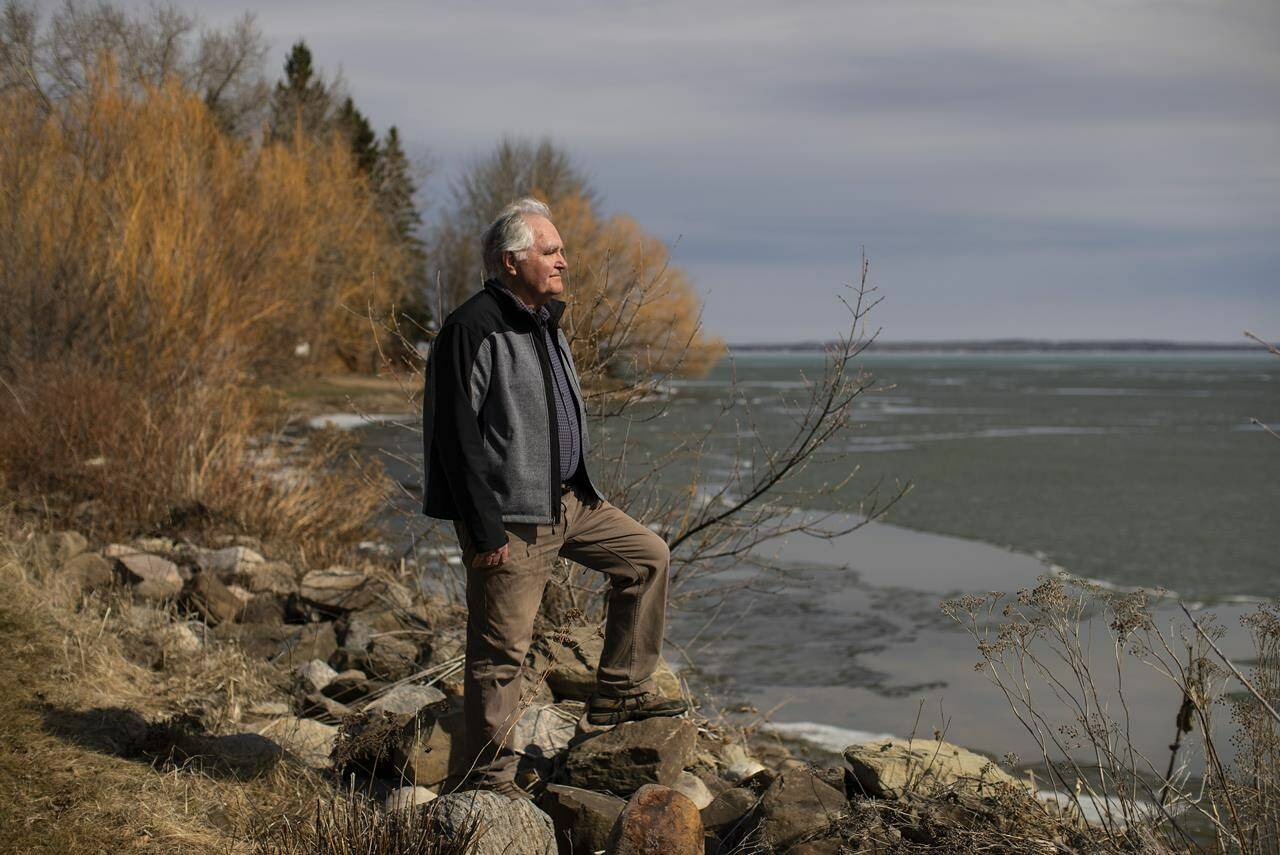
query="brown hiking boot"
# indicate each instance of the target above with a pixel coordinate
(605, 710)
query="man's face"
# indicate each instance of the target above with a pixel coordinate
(539, 274)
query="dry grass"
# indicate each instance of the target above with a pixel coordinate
(117, 458)
(89, 757)
(76, 774)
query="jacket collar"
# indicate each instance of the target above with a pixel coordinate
(512, 304)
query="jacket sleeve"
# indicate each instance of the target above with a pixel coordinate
(456, 435)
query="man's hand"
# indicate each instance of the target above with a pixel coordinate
(496, 558)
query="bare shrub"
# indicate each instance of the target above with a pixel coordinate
(1037, 650)
(140, 237)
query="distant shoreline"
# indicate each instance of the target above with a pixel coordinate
(1011, 345)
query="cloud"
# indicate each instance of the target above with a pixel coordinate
(1014, 159)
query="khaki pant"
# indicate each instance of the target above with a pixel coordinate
(503, 601)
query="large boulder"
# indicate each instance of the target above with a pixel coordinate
(633, 754)
(544, 730)
(889, 767)
(798, 803)
(566, 662)
(338, 589)
(150, 576)
(582, 819)
(242, 755)
(311, 742)
(227, 563)
(502, 826)
(657, 821)
(407, 699)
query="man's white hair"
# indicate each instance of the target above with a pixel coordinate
(510, 232)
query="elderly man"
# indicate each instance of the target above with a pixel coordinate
(505, 453)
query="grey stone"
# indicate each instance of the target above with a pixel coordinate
(310, 741)
(315, 674)
(631, 755)
(889, 767)
(798, 803)
(506, 826)
(582, 819)
(227, 562)
(407, 699)
(151, 577)
(407, 798)
(693, 788)
(545, 730)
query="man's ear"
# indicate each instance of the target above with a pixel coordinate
(509, 262)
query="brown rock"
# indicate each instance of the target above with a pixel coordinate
(269, 577)
(310, 641)
(796, 804)
(727, 809)
(59, 547)
(631, 755)
(264, 608)
(582, 819)
(90, 571)
(888, 767)
(566, 661)
(657, 821)
(212, 600)
(430, 747)
(151, 577)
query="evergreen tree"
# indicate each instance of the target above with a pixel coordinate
(364, 142)
(302, 100)
(393, 182)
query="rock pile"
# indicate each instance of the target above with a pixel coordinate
(370, 685)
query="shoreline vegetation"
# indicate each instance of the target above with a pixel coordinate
(208, 650)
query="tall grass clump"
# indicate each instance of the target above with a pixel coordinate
(154, 272)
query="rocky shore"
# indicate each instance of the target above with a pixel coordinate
(354, 674)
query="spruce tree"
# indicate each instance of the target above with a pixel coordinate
(301, 100)
(393, 182)
(364, 142)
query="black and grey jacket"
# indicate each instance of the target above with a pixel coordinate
(490, 448)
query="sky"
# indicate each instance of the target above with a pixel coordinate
(1073, 169)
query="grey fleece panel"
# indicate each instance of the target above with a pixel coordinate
(481, 372)
(514, 428)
